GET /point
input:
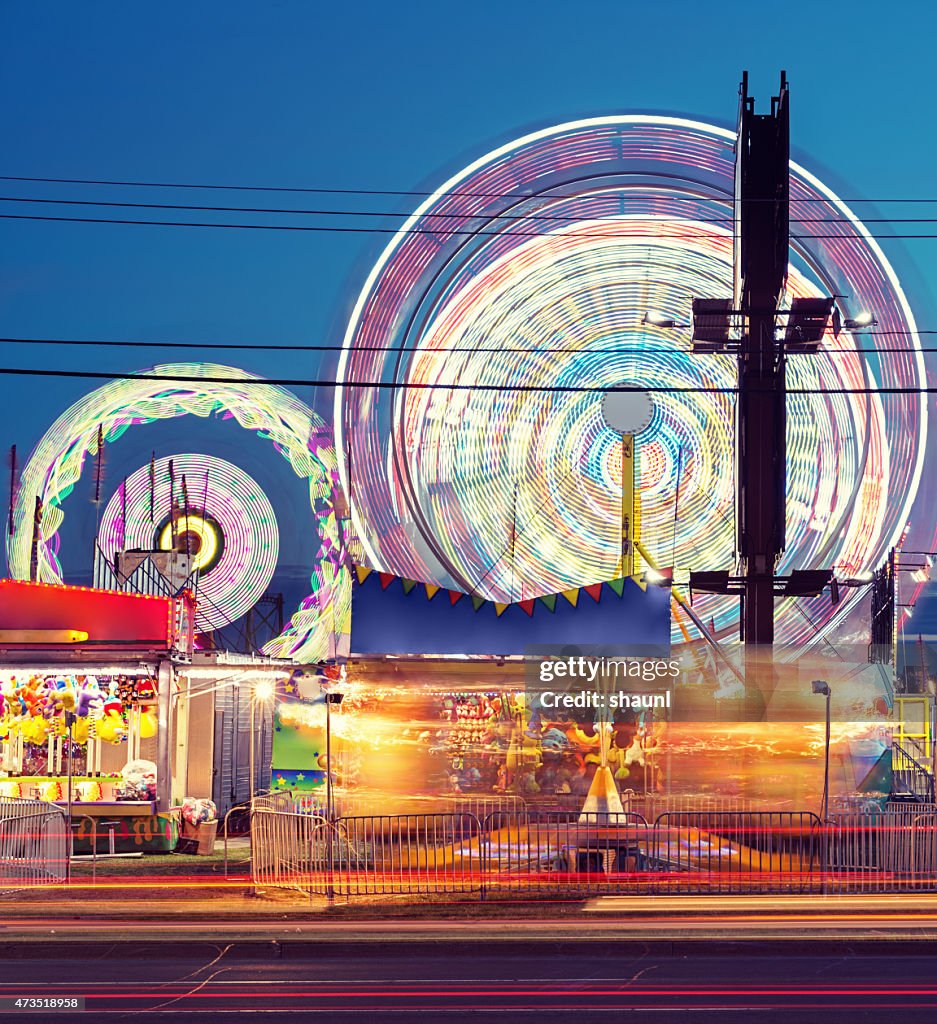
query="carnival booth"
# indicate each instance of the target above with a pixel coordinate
(438, 706)
(85, 695)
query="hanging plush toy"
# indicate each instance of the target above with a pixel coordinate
(111, 728)
(147, 725)
(124, 691)
(144, 689)
(35, 730)
(66, 698)
(90, 698)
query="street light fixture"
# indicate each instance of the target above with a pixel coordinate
(861, 320)
(262, 692)
(656, 319)
(822, 687)
(330, 699)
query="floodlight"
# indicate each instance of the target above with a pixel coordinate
(656, 319)
(863, 319)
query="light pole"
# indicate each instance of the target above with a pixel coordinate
(822, 687)
(330, 699)
(70, 718)
(628, 413)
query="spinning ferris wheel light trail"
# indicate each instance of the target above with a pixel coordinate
(432, 473)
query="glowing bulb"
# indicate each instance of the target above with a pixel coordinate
(658, 319)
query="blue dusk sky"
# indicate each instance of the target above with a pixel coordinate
(379, 96)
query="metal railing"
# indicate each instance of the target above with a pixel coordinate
(288, 850)
(909, 777)
(572, 854)
(35, 842)
(894, 850)
(553, 852)
(406, 853)
(737, 851)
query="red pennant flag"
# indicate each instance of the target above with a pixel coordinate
(528, 606)
(594, 590)
(455, 596)
(386, 579)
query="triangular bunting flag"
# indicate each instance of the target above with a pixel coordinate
(362, 572)
(617, 585)
(408, 585)
(549, 600)
(594, 590)
(455, 596)
(572, 596)
(528, 606)
(500, 608)
(640, 580)
(386, 579)
(431, 591)
(477, 602)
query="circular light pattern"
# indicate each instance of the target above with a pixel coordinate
(534, 267)
(237, 535)
(198, 536)
(296, 432)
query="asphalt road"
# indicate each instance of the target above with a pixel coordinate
(450, 980)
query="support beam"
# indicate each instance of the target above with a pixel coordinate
(164, 678)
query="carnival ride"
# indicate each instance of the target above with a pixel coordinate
(221, 517)
(540, 275)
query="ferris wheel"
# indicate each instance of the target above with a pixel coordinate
(538, 277)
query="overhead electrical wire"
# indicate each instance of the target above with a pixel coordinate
(383, 385)
(492, 350)
(434, 233)
(530, 194)
(440, 216)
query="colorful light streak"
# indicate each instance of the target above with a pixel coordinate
(296, 432)
(512, 495)
(249, 540)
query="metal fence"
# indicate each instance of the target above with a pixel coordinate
(288, 850)
(549, 853)
(737, 852)
(569, 854)
(893, 850)
(35, 842)
(406, 853)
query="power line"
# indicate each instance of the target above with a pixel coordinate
(444, 386)
(480, 215)
(466, 350)
(446, 232)
(406, 192)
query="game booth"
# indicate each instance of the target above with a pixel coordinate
(107, 711)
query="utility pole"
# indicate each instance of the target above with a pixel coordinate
(762, 192)
(762, 242)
